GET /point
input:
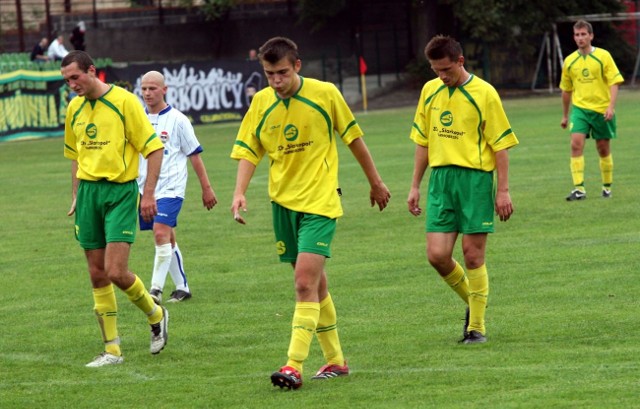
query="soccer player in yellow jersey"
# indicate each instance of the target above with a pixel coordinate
(589, 81)
(106, 130)
(297, 122)
(461, 130)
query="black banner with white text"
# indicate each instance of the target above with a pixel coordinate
(33, 103)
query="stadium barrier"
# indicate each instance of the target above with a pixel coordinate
(33, 104)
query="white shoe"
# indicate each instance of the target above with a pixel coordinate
(159, 333)
(103, 359)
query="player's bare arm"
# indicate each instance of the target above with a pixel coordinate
(148, 205)
(421, 162)
(504, 206)
(379, 193)
(566, 102)
(74, 187)
(611, 109)
(245, 173)
(209, 199)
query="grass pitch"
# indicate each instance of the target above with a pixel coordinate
(562, 317)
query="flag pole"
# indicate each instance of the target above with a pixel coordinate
(363, 82)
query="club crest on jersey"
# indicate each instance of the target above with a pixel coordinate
(91, 131)
(164, 136)
(446, 118)
(290, 133)
(585, 72)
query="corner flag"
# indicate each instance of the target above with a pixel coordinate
(363, 82)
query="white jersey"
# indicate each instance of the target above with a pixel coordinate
(179, 139)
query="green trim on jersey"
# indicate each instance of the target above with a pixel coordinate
(106, 136)
(589, 79)
(462, 127)
(297, 134)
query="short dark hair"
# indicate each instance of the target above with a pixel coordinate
(442, 46)
(583, 24)
(81, 58)
(278, 48)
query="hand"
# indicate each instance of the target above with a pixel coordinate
(209, 198)
(413, 202)
(608, 114)
(563, 123)
(238, 203)
(72, 209)
(379, 194)
(148, 208)
(504, 206)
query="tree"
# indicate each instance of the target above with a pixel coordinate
(212, 9)
(515, 22)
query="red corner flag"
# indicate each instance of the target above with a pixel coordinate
(363, 66)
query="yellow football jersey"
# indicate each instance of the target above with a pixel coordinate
(589, 78)
(462, 126)
(107, 135)
(299, 135)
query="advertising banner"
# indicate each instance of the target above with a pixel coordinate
(33, 104)
(206, 92)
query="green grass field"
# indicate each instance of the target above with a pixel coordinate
(562, 316)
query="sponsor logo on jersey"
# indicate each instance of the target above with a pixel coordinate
(294, 147)
(290, 133)
(446, 118)
(91, 131)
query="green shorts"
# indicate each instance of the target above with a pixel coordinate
(298, 232)
(592, 124)
(106, 212)
(460, 200)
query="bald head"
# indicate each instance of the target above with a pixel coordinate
(154, 76)
(153, 91)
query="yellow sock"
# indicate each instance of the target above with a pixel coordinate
(140, 297)
(478, 293)
(106, 309)
(327, 332)
(305, 321)
(606, 170)
(577, 172)
(458, 282)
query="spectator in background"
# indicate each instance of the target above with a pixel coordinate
(39, 52)
(77, 36)
(253, 55)
(57, 50)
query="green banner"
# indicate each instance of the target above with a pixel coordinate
(33, 104)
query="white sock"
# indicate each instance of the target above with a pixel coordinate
(176, 269)
(161, 266)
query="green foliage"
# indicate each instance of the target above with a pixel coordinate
(216, 9)
(419, 71)
(561, 317)
(316, 14)
(514, 23)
